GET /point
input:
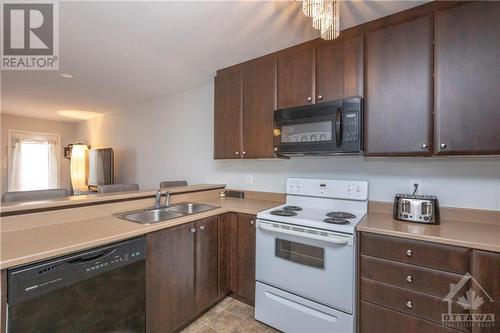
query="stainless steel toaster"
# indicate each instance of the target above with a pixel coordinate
(416, 208)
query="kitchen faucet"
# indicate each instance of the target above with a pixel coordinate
(158, 199)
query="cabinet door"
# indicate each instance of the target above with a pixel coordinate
(246, 257)
(224, 254)
(227, 116)
(486, 271)
(259, 103)
(339, 69)
(170, 278)
(398, 96)
(207, 263)
(467, 62)
(295, 77)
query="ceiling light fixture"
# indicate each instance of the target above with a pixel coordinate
(325, 16)
(67, 76)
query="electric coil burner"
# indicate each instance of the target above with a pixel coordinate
(335, 220)
(292, 208)
(283, 212)
(340, 215)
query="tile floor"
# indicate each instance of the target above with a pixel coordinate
(228, 316)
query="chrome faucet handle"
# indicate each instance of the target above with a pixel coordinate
(167, 201)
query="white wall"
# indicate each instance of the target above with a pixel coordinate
(67, 131)
(172, 138)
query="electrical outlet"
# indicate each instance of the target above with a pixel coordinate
(249, 180)
(412, 186)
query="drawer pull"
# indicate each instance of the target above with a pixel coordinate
(409, 278)
(409, 253)
(409, 305)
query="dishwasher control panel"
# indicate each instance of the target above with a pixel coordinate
(36, 279)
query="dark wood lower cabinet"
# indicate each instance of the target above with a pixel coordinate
(407, 285)
(243, 258)
(378, 319)
(170, 278)
(486, 271)
(207, 263)
(224, 254)
(191, 266)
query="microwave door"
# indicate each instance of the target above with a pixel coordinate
(307, 135)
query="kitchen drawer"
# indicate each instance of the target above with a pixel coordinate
(410, 302)
(376, 319)
(439, 256)
(425, 280)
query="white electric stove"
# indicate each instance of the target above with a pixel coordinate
(306, 256)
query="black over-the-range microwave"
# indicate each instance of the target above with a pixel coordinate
(330, 128)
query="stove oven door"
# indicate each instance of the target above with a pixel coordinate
(315, 264)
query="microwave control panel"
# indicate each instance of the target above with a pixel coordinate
(350, 126)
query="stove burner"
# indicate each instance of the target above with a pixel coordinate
(282, 212)
(335, 220)
(292, 208)
(341, 215)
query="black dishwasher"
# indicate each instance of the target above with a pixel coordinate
(99, 290)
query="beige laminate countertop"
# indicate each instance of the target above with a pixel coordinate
(79, 200)
(476, 235)
(23, 246)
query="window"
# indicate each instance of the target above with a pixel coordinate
(33, 160)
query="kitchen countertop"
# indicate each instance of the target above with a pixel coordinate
(91, 199)
(23, 246)
(476, 235)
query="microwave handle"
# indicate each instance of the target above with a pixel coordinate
(338, 127)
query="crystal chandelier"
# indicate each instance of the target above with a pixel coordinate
(325, 16)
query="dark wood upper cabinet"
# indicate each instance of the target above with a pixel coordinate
(486, 271)
(259, 103)
(296, 77)
(170, 278)
(467, 67)
(227, 116)
(399, 89)
(207, 263)
(339, 69)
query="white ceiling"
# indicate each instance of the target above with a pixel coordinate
(125, 52)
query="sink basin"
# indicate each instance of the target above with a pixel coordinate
(150, 216)
(155, 215)
(190, 208)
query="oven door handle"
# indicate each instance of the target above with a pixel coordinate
(330, 238)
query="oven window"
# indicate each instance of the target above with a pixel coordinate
(307, 132)
(300, 253)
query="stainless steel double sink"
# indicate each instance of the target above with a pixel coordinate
(155, 215)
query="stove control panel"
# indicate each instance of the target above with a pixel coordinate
(328, 188)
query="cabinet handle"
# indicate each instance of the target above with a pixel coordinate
(309, 99)
(443, 146)
(193, 230)
(320, 97)
(252, 222)
(275, 149)
(424, 146)
(409, 253)
(244, 152)
(409, 305)
(236, 153)
(202, 227)
(409, 278)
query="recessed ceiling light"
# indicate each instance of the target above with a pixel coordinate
(79, 114)
(67, 76)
